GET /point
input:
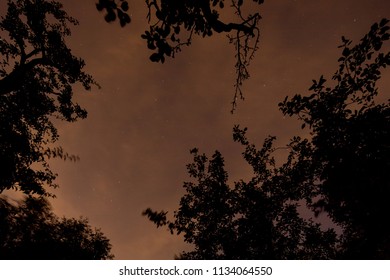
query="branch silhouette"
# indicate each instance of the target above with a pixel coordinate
(173, 24)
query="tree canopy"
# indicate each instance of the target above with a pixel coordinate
(349, 150)
(37, 75)
(173, 24)
(340, 171)
(30, 230)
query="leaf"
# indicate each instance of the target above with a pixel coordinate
(177, 29)
(110, 16)
(99, 7)
(125, 6)
(155, 57)
(384, 21)
(346, 52)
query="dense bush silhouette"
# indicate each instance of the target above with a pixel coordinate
(30, 230)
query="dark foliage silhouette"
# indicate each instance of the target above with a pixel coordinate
(37, 75)
(349, 151)
(173, 24)
(115, 10)
(258, 219)
(29, 230)
(340, 171)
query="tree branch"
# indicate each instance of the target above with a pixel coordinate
(12, 81)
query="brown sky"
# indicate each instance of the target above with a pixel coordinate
(135, 143)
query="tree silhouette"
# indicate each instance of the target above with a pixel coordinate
(37, 75)
(341, 171)
(30, 230)
(349, 149)
(173, 24)
(258, 219)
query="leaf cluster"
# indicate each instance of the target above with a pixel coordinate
(115, 10)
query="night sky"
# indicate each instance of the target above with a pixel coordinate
(134, 145)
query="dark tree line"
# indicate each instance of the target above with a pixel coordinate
(341, 171)
(30, 230)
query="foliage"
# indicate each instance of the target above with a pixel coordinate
(30, 230)
(173, 24)
(341, 171)
(258, 219)
(114, 11)
(349, 149)
(37, 75)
